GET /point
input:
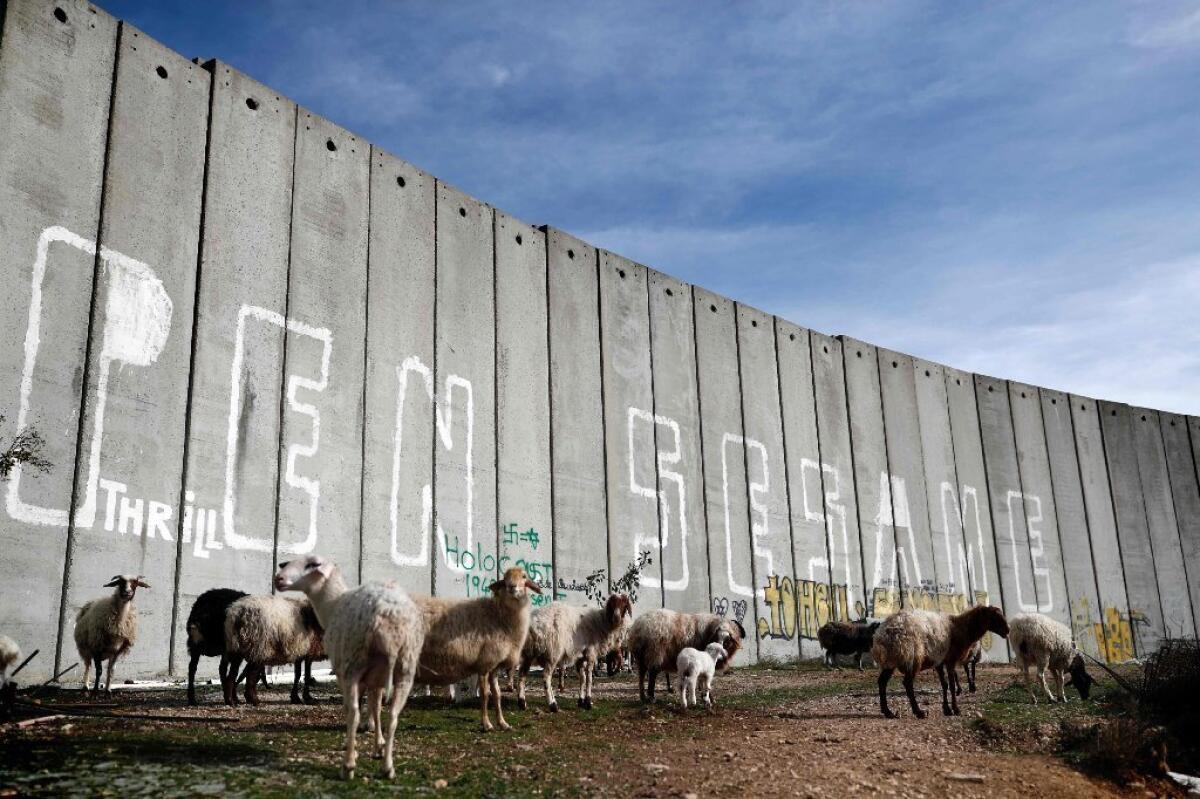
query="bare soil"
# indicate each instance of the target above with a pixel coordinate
(775, 732)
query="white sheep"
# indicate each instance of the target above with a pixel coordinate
(562, 635)
(915, 640)
(477, 637)
(657, 638)
(266, 630)
(106, 628)
(1040, 641)
(373, 635)
(698, 668)
(10, 653)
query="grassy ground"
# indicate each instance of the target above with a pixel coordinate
(788, 731)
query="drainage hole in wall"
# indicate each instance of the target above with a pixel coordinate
(1022, 395)
(1053, 401)
(162, 72)
(1172, 423)
(791, 336)
(826, 349)
(712, 308)
(669, 293)
(571, 254)
(958, 381)
(60, 15)
(462, 211)
(858, 354)
(621, 272)
(895, 365)
(753, 323)
(400, 181)
(1143, 418)
(1114, 413)
(989, 389)
(330, 146)
(927, 373)
(252, 104)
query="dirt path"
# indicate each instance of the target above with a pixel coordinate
(775, 733)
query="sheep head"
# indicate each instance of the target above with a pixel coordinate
(126, 585)
(716, 651)
(729, 633)
(307, 574)
(617, 610)
(514, 586)
(1079, 676)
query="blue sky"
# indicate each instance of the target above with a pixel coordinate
(1009, 188)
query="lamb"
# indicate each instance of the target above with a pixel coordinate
(970, 665)
(846, 638)
(106, 628)
(561, 634)
(266, 630)
(1040, 641)
(697, 667)
(374, 635)
(477, 637)
(206, 632)
(657, 638)
(915, 640)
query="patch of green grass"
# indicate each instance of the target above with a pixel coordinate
(1012, 709)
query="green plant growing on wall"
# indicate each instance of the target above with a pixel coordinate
(26, 449)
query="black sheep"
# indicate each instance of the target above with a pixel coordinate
(206, 632)
(846, 638)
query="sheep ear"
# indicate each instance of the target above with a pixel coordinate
(140, 583)
(741, 630)
(533, 586)
(113, 582)
(496, 586)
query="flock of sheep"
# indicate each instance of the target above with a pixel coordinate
(381, 641)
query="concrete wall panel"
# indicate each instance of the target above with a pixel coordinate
(523, 497)
(974, 505)
(906, 465)
(1041, 511)
(871, 478)
(1186, 496)
(320, 443)
(227, 521)
(576, 416)
(629, 428)
(1007, 500)
(809, 594)
(1164, 529)
(941, 479)
(464, 492)
(767, 470)
(848, 598)
(682, 524)
(1102, 529)
(126, 504)
(401, 399)
(731, 567)
(55, 91)
(1137, 553)
(1087, 618)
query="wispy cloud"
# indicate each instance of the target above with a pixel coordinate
(1010, 190)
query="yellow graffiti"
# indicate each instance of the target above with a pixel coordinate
(1116, 633)
(888, 601)
(800, 607)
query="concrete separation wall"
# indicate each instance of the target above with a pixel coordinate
(235, 333)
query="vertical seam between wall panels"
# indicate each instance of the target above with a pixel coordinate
(83, 392)
(868, 591)
(1012, 421)
(891, 501)
(1178, 534)
(826, 535)
(737, 354)
(662, 576)
(938, 578)
(1191, 452)
(195, 338)
(362, 448)
(1087, 522)
(787, 487)
(550, 421)
(495, 390)
(987, 482)
(1036, 396)
(287, 299)
(958, 500)
(1112, 499)
(703, 459)
(433, 432)
(603, 416)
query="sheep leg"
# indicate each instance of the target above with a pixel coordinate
(884, 676)
(401, 687)
(299, 675)
(858, 660)
(192, 663)
(229, 680)
(1062, 685)
(641, 683)
(1045, 685)
(941, 673)
(653, 675)
(1028, 682)
(254, 673)
(374, 707)
(909, 679)
(586, 677)
(971, 676)
(484, 696)
(495, 685)
(350, 705)
(562, 678)
(87, 671)
(955, 689)
(667, 675)
(708, 703)
(522, 676)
